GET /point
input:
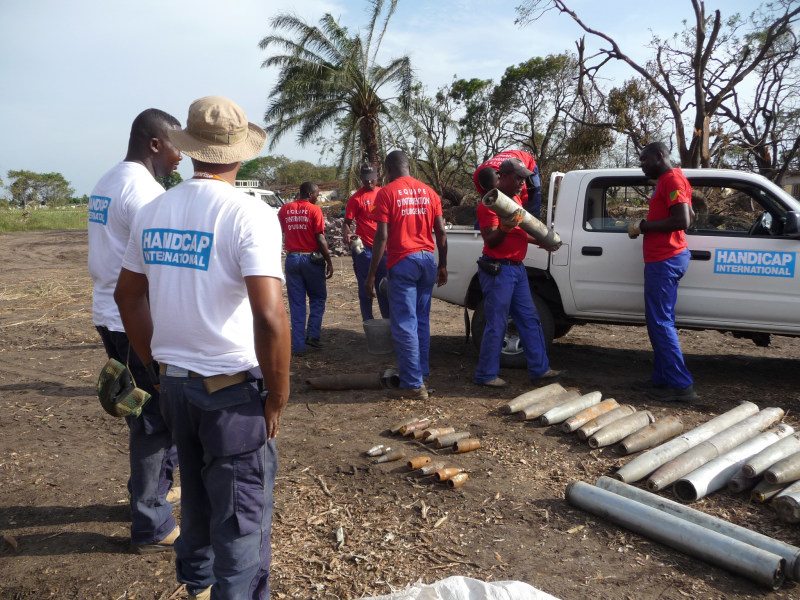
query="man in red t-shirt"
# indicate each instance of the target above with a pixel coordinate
(531, 195)
(359, 208)
(666, 258)
(407, 212)
(504, 282)
(303, 234)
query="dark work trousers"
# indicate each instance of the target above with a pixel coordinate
(661, 280)
(361, 269)
(227, 475)
(304, 279)
(152, 454)
(410, 287)
(504, 294)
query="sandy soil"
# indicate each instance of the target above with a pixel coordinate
(63, 462)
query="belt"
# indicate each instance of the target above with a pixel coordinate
(422, 252)
(295, 252)
(502, 261)
(212, 383)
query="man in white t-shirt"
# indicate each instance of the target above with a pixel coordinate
(115, 200)
(210, 258)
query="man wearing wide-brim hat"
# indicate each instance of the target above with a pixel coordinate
(210, 258)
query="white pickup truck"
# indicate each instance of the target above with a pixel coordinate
(743, 276)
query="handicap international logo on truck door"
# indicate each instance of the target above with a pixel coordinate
(190, 249)
(755, 262)
(98, 209)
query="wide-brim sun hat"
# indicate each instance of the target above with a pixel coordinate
(217, 132)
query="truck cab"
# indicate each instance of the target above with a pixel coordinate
(251, 188)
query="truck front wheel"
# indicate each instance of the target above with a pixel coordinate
(512, 355)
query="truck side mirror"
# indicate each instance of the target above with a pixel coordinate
(791, 226)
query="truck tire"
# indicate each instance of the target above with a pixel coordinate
(512, 355)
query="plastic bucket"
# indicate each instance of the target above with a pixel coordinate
(379, 336)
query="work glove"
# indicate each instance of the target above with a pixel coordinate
(511, 222)
(635, 228)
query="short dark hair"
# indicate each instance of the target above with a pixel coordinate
(487, 178)
(660, 147)
(306, 188)
(151, 123)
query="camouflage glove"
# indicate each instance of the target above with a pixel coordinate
(117, 391)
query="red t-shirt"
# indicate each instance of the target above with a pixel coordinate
(495, 163)
(514, 247)
(410, 208)
(359, 208)
(672, 188)
(301, 221)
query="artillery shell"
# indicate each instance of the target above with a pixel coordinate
(418, 462)
(403, 423)
(378, 450)
(431, 434)
(449, 439)
(785, 470)
(621, 429)
(651, 436)
(421, 424)
(562, 412)
(741, 483)
(528, 398)
(596, 424)
(390, 457)
(445, 474)
(765, 491)
(431, 468)
(588, 414)
(457, 480)
(538, 408)
(417, 434)
(466, 445)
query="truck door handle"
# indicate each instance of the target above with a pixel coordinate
(592, 251)
(700, 254)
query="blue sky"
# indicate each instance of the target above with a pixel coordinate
(75, 74)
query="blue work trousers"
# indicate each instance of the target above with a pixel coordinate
(151, 452)
(661, 280)
(227, 475)
(304, 279)
(504, 294)
(410, 286)
(361, 269)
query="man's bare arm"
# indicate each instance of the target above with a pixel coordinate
(134, 308)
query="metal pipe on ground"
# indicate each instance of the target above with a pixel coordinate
(785, 470)
(715, 474)
(766, 491)
(562, 412)
(611, 434)
(585, 432)
(787, 503)
(528, 398)
(769, 456)
(538, 408)
(713, 447)
(646, 463)
(359, 381)
(652, 435)
(791, 554)
(505, 207)
(589, 414)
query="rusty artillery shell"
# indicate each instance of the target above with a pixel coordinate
(785, 470)
(765, 491)
(596, 424)
(391, 457)
(457, 480)
(418, 462)
(528, 398)
(431, 468)
(421, 424)
(589, 414)
(621, 429)
(537, 409)
(378, 450)
(449, 439)
(651, 436)
(466, 445)
(417, 434)
(429, 435)
(396, 428)
(447, 473)
(368, 381)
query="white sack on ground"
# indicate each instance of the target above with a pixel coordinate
(465, 588)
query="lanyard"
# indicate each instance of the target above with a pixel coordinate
(207, 175)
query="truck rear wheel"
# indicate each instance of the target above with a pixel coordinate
(512, 355)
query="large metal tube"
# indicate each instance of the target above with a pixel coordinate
(715, 474)
(713, 447)
(347, 381)
(588, 414)
(528, 398)
(562, 412)
(505, 207)
(585, 432)
(650, 436)
(538, 408)
(611, 434)
(787, 503)
(643, 465)
(769, 456)
(765, 568)
(791, 554)
(785, 470)
(765, 491)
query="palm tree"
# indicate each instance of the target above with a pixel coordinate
(329, 78)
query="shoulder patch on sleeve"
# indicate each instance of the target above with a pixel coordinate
(675, 196)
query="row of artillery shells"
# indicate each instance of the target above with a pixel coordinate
(454, 476)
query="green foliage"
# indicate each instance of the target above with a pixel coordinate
(30, 188)
(18, 219)
(279, 170)
(170, 181)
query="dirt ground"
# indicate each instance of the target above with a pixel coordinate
(63, 462)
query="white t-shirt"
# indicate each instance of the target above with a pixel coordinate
(115, 200)
(196, 243)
